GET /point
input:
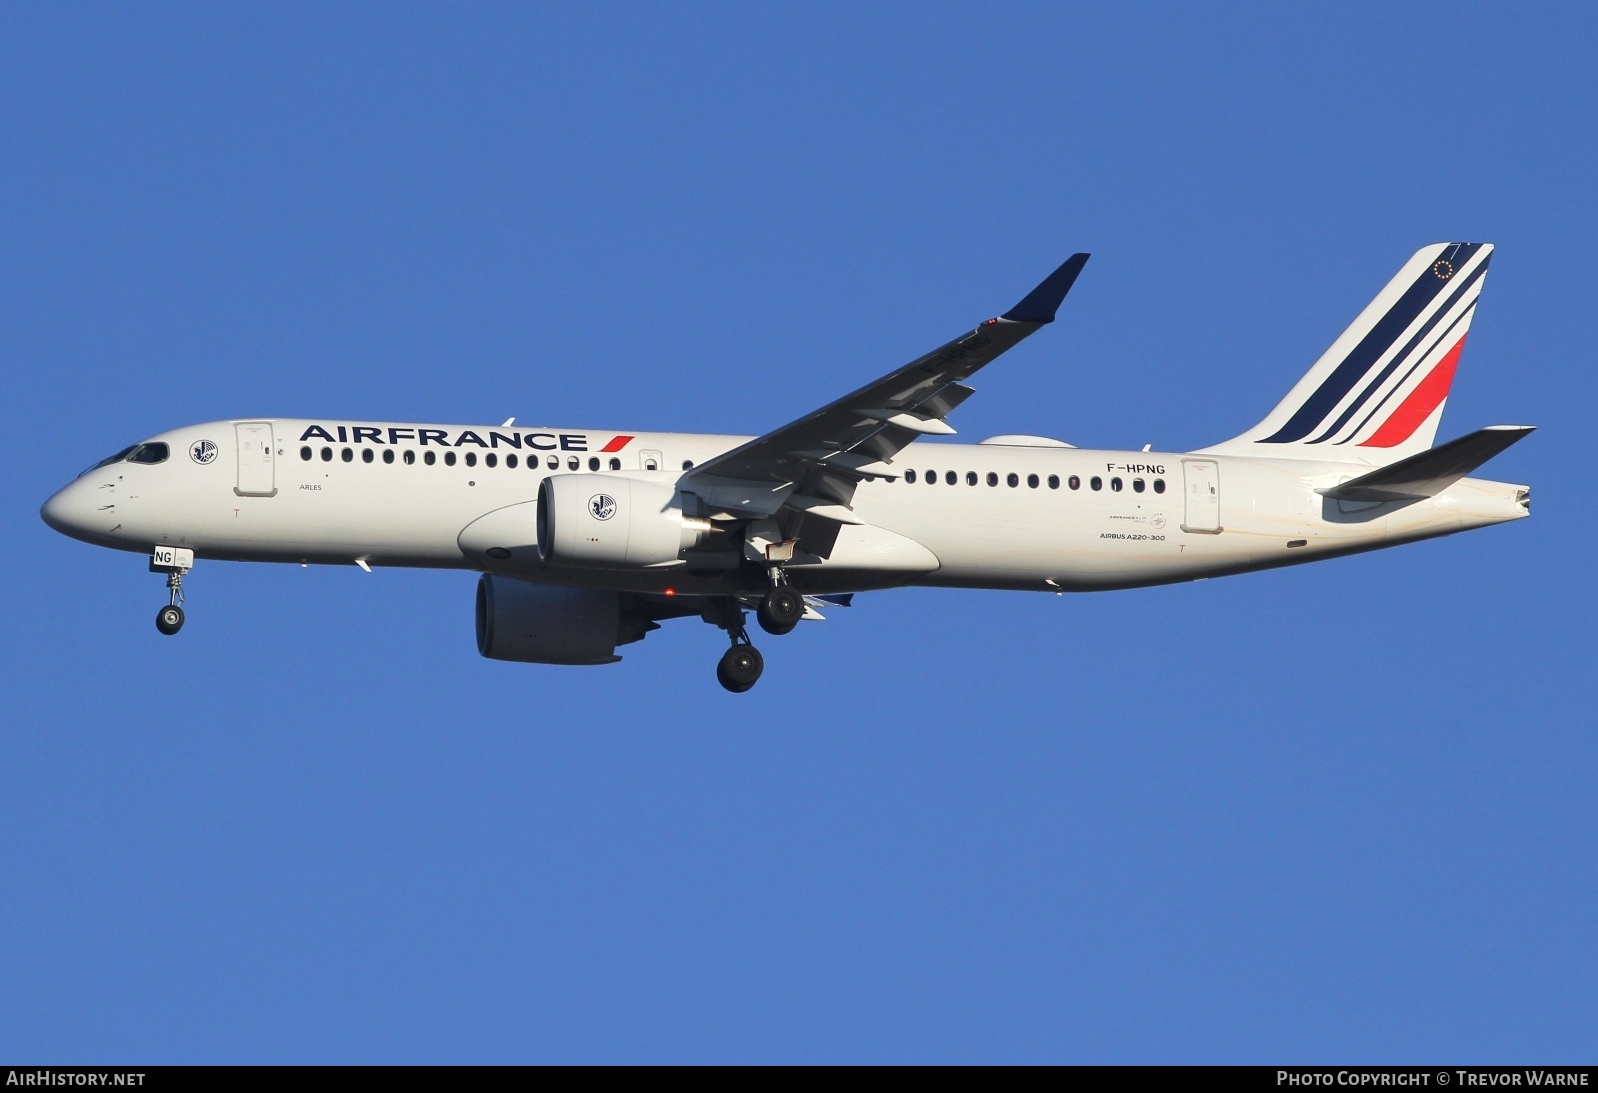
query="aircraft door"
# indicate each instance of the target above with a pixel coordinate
(650, 460)
(257, 473)
(1202, 495)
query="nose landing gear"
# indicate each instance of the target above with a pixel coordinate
(174, 562)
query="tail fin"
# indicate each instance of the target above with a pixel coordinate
(1377, 395)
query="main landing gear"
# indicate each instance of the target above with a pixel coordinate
(174, 562)
(740, 666)
(778, 612)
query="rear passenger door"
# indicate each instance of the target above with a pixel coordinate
(1202, 493)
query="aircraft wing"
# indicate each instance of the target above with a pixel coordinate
(812, 465)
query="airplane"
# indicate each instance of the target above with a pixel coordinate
(587, 539)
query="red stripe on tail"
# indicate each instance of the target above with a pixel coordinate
(1426, 397)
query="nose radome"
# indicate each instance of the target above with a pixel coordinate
(68, 510)
(56, 511)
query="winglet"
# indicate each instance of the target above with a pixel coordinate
(1042, 302)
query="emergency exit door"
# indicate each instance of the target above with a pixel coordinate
(257, 475)
(1202, 494)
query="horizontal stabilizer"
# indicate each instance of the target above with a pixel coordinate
(1431, 472)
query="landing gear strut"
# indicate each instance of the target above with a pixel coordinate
(741, 665)
(174, 562)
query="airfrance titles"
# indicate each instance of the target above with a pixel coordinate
(458, 438)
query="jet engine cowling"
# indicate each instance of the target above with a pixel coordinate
(546, 624)
(612, 522)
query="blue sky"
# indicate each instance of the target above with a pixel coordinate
(1339, 812)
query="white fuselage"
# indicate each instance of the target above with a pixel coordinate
(367, 493)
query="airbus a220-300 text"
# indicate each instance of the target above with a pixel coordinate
(588, 539)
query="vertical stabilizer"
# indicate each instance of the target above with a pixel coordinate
(1377, 395)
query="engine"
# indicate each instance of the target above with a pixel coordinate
(606, 521)
(544, 624)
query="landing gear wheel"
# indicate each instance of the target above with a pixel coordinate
(169, 620)
(781, 610)
(772, 627)
(740, 667)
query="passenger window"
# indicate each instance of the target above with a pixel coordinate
(1012, 480)
(489, 460)
(615, 464)
(571, 463)
(1159, 485)
(305, 453)
(1032, 481)
(593, 463)
(950, 478)
(347, 456)
(651, 465)
(910, 477)
(327, 455)
(970, 478)
(511, 461)
(688, 464)
(388, 455)
(429, 458)
(1115, 484)
(554, 462)
(1137, 485)
(1074, 482)
(932, 478)
(409, 457)
(993, 479)
(1054, 481)
(366, 455)
(471, 459)
(449, 459)
(1096, 482)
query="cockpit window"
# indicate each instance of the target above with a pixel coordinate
(108, 460)
(150, 453)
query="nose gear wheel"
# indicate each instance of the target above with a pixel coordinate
(169, 620)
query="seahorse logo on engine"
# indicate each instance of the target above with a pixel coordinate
(602, 506)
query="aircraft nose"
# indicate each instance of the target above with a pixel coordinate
(67, 510)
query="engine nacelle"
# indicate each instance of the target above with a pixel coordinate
(605, 521)
(546, 624)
